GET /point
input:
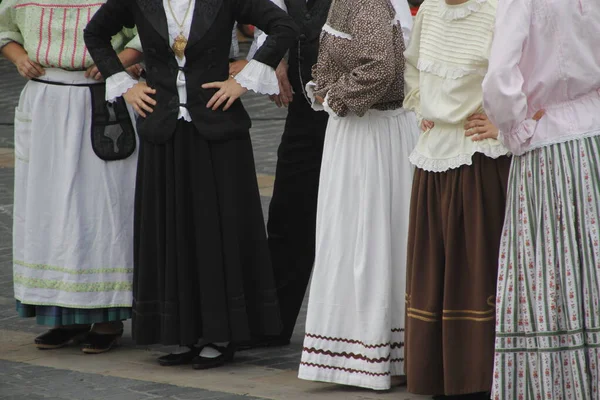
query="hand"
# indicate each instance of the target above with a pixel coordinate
(27, 68)
(229, 91)
(319, 99)
(236, 67)
(93, 72)
(286, 93)
(138, 97)
(479, 127)
(135, 71)
(427, 125)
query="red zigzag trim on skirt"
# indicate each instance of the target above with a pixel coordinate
(312, 350)
(395, 345)
(353, 371)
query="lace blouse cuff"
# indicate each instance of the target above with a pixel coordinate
(259, 78)
(117, 85)
(328, 109)
(310, 92)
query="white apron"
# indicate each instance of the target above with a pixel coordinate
(73, 212)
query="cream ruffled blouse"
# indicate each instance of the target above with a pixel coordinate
(446, 61)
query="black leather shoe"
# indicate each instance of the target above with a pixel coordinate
(264, 342)
(96, 343)
(171, 360)
(60, 337)
(226, 356)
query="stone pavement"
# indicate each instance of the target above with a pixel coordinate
(130, 372)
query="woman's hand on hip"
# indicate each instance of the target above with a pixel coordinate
(93, 72)
(427, 125)
(479, 127)
(229, 91)
(27, 68)
(139, 98)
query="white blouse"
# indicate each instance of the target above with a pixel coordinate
(255, 76)
(446, 61)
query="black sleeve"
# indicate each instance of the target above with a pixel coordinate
(111, 18)
(280, 28)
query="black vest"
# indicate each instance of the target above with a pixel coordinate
(310, 18)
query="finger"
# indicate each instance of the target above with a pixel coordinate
(278, 101)
(138, 110)
(98, 76)
(91, 72)
(474, 124)
(148, 90)
(477, 117)
(483, 136)
(33, 73)
(224, 97)
(31, 70)
(144, 106)
(213, 85)
(214, 99)
(229, 103)
(475, 131)
(147, 99)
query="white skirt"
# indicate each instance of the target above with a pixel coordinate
(355, 323)
(73, 212)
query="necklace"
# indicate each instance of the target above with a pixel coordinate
(180, 41)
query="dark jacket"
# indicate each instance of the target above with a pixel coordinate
(310, 17)
(207, 57)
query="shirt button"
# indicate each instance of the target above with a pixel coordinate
(308, 16)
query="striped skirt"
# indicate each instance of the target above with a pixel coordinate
(548, 314)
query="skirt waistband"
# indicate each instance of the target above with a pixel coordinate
(67, 78)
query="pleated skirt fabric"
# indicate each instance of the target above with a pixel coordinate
(548, 329)
(456, 221)
(201, 256)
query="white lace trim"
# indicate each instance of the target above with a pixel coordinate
(310, 92)
(259, 78)
(449, 12)
(328, 109)
(117, 85)
(447, 71)
(334, 32)
(442, 165)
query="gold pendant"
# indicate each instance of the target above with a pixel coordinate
(179, 46)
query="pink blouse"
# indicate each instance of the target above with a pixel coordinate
(545, 56)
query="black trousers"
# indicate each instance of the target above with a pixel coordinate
(293, 208)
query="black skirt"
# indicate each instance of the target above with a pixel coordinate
(202, 267)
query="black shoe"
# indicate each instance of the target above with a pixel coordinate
(264, 342)
(96, 343)
(60, 337)
(226, 356)
(171, 360)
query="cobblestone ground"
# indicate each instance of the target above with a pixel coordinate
(131, 372)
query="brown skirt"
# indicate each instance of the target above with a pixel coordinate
(456, 220)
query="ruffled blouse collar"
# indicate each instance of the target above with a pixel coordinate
(458, 11)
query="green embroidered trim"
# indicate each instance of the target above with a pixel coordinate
(74, 272)
(73, 287)
(83, 307)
